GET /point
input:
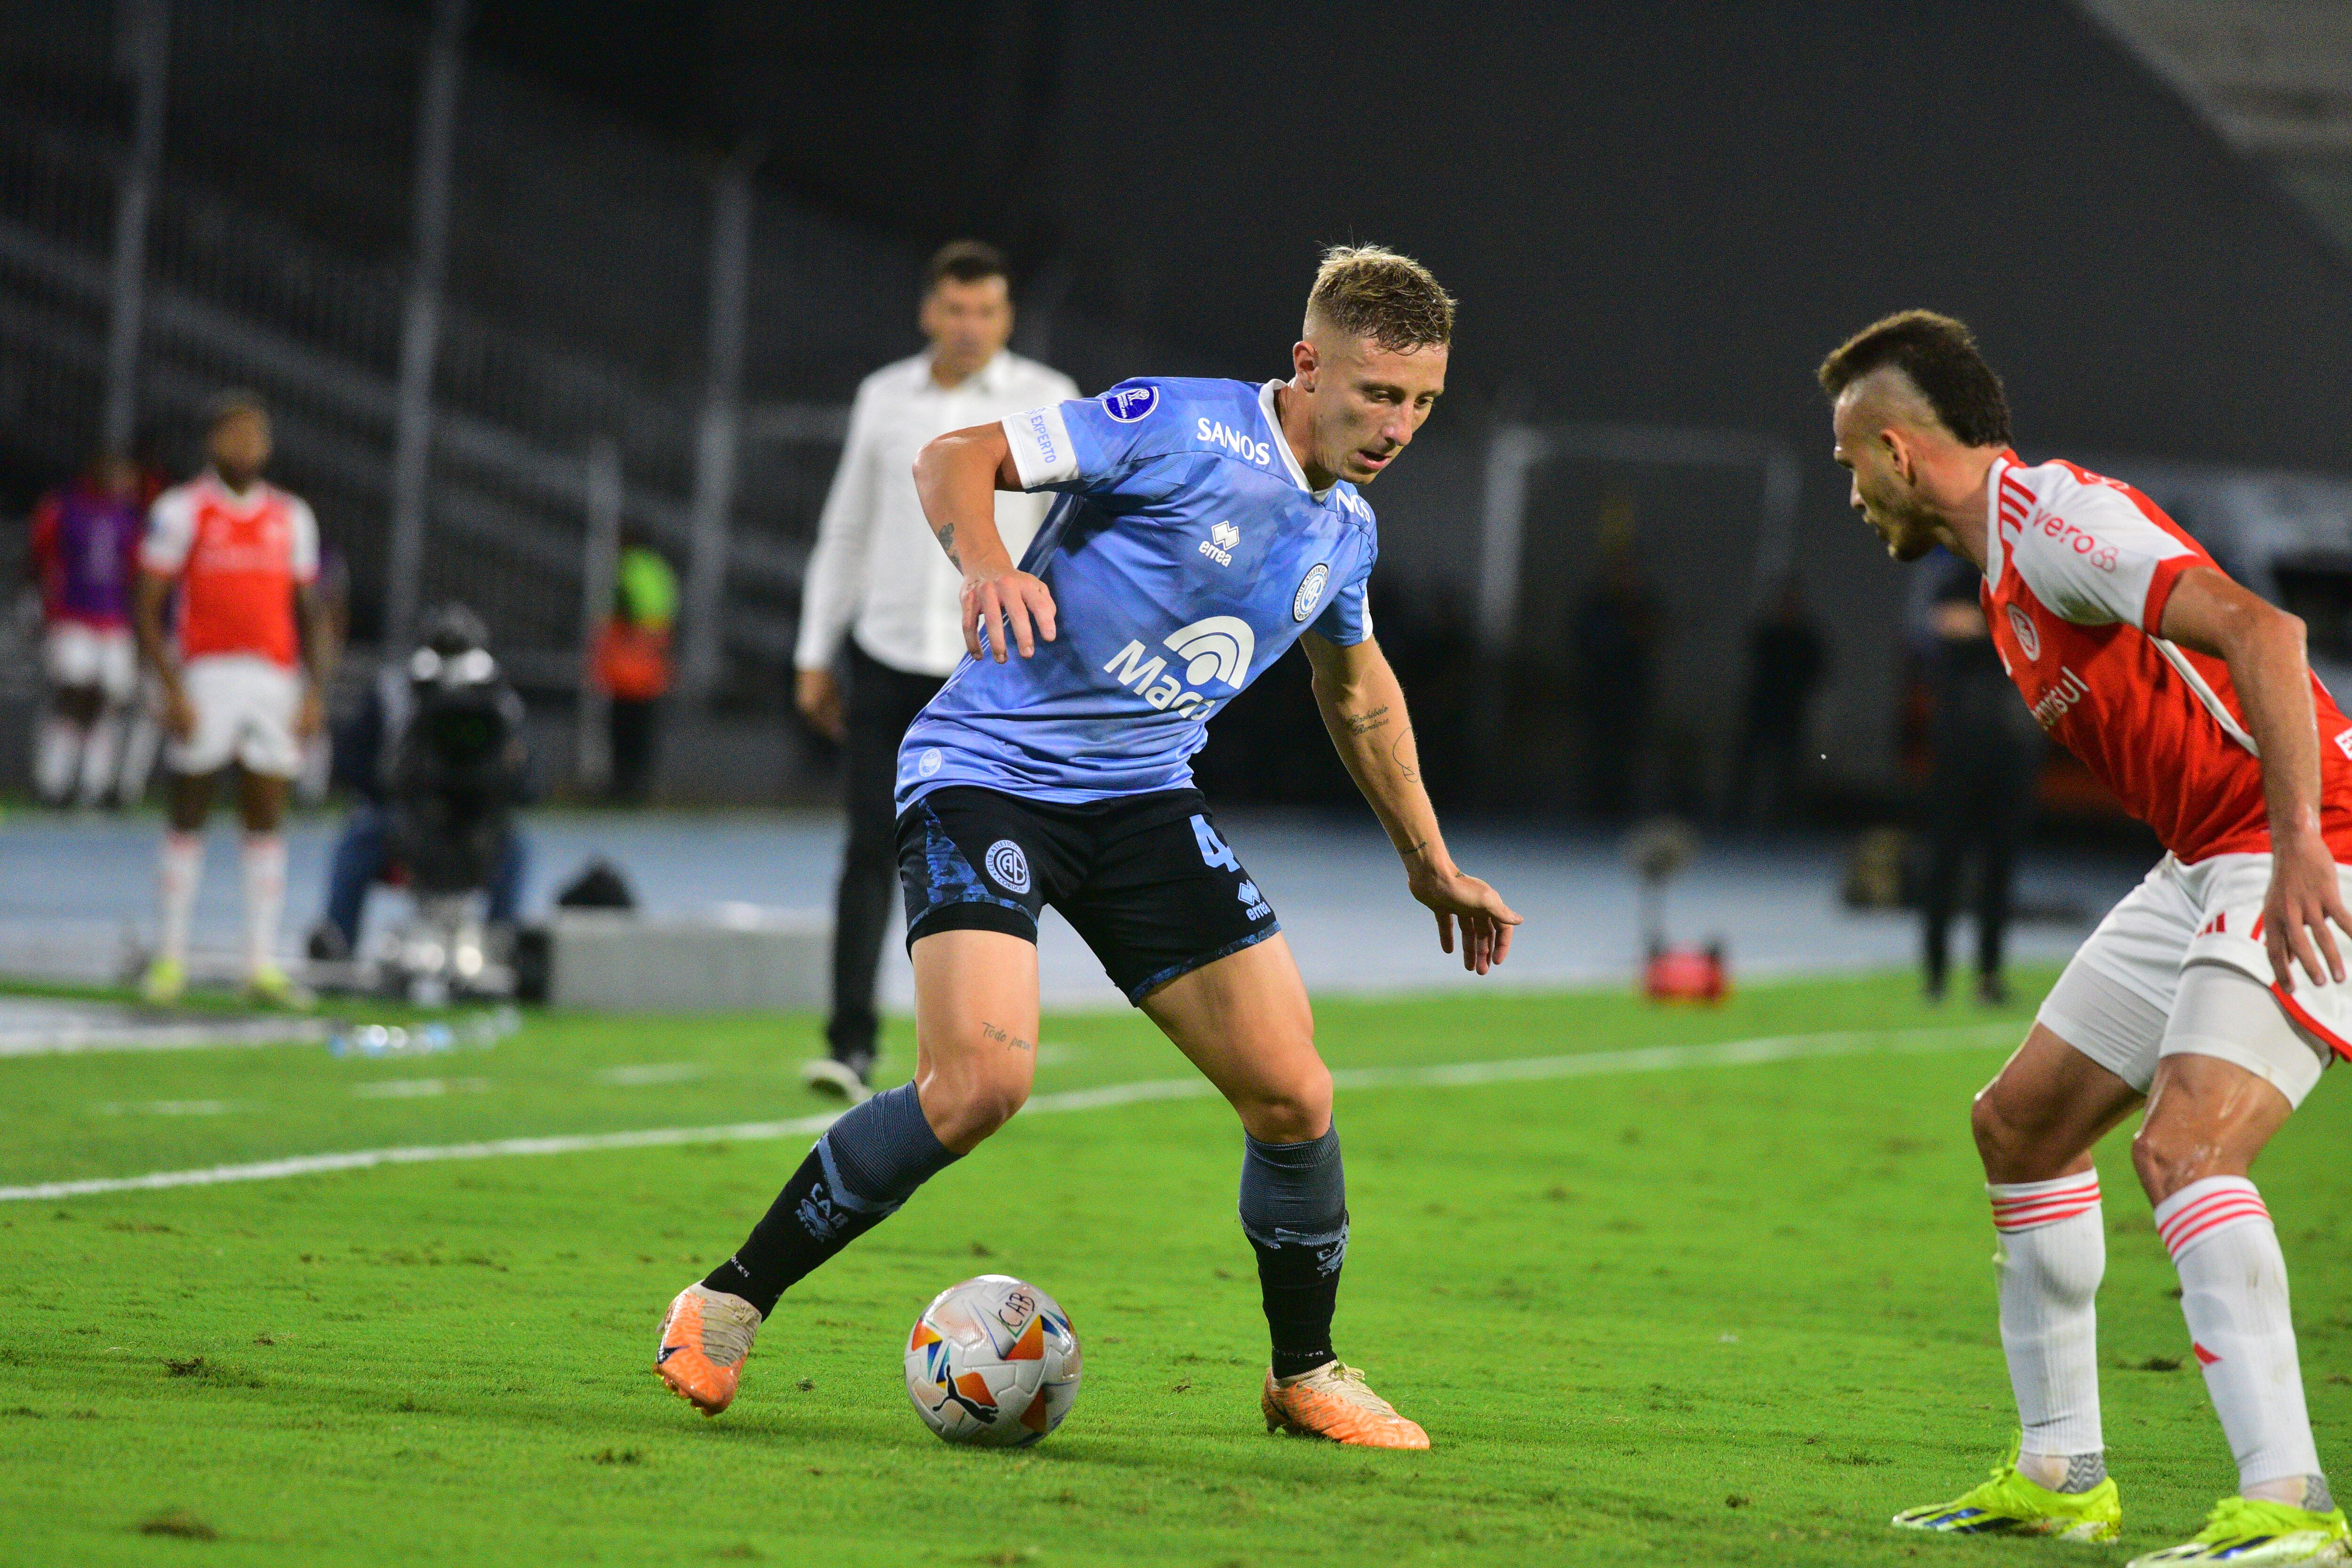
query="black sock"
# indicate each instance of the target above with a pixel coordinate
(865, 1165)
(1293, 1205)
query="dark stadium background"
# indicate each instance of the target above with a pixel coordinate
(1655, 216)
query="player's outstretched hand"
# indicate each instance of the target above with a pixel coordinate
(1453, 894)
(1016, 609)
(2304, 897)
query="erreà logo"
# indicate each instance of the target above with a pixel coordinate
(1219, 649)
(1219, 546)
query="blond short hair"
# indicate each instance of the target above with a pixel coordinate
(1370, 291)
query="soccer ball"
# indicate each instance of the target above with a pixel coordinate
(993, 1362)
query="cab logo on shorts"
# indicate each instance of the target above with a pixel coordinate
(1311, 592)
(2028, 638)
(1008, 865)
(1128, 404)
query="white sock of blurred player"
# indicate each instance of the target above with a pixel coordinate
(57, 750)
(99, 748)
(181, 868)
(143, 740)
(262, 858)
(2053, 1250)
(2234, 1293)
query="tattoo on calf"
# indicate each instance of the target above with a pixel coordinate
(1011, 1042)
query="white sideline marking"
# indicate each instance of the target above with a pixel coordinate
(653, 1073)
(1647, 1059)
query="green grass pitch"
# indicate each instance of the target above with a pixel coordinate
(1709, 1313)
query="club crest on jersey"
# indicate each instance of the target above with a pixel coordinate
(1008, 865)
(2028, 638)
(1128, 404)
(1220, 544)
(1311, 592)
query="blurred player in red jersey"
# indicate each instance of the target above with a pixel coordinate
(2215, 991)
(84, 558)
(245, 682)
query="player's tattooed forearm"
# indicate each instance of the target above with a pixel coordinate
(1407, 764)
(1414, 848)
(946, 532)
(1011, 1042)
(1362, 723)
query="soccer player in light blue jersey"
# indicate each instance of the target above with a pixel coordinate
(1203, 527)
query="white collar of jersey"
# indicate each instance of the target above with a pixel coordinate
(1994, 548)
(988, 378)
(1281, 443)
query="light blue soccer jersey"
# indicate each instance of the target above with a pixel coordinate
(1185, 556)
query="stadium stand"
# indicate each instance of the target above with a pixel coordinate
(578, 281)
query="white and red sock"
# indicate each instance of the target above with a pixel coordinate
(262, 858)
(2234, 1293)
(2053, 1250)
(180, 869)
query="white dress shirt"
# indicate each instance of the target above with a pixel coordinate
(878, 573)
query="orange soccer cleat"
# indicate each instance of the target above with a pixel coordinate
(703, 1342)
(1332, 1401)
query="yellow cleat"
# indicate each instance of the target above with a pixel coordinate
(270, 986)
(703, 1342)
(2249, 1532)
(165, 979)
(1332, 1401)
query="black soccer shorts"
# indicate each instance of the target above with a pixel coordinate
(1145, 879)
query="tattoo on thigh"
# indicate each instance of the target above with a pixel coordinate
(1011, 1042)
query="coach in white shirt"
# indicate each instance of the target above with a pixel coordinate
(882, 598)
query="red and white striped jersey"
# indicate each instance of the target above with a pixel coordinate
(2077, 572)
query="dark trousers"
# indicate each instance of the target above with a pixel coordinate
(1980, 803)
(363, 854)
(633, 727)
(882, 702)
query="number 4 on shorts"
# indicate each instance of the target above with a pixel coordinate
(1213, 848)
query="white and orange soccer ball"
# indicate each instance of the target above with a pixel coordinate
(993, 1362)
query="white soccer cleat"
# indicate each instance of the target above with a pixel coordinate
(829, 1075)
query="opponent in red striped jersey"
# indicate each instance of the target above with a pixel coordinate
(244, 681)
(2215, 991)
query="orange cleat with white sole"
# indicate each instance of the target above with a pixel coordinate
(703, 1342)
(1332, 1401)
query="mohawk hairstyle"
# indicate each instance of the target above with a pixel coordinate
(1370, 291)
(1939, 355)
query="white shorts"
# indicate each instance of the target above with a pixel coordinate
(2164, 976)
(246, 708)
(75, 655)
